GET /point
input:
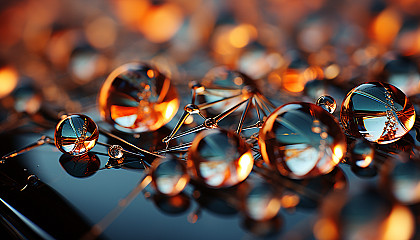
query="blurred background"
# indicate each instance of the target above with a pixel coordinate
(55, 55)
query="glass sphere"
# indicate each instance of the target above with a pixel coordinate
(223, 77)
(327, 102)
(76, 134)
(377, 111)
(169, 176)
(219, 158)
(301, 140)
(115, 151)
(221, 82)
(138, 98)
(362, 158)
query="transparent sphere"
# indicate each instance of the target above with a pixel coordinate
(169, 176)
(224, 77)
(219, 158)
(377, 111)
(115, 151)
(327, 102)
(76, 134)
(362, 158)
(262, 203)
(137, 98)
(301, 140)
(221, 82)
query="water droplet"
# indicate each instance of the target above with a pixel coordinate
(169, 176)
(379, 112)
(219, 158)
(137, 98)
(362, 158)
(301, 140)
(327, 102)
(115, 151)
(76, 134)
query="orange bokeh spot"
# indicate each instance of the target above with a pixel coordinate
(8, 80)
(386, 26)
(160, 23)
(293, 80)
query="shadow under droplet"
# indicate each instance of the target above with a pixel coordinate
(80, 166)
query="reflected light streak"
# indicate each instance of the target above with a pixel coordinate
(338, 154)
(245, 164)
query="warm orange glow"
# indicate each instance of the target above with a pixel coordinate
(273, 207)
(238, 81)
(241, 35)
(150, 73)
(122, 111)
(399, 225)
(101, 32)
(180, 185)
(245, 164)
(193, 217)
(409, 42)
(332, 71)
(131, 12)
(312, 73)
(325, 229)
(8, 80)
(171, 109)
(323, 135)
(160, 23)
(386, 26)
(274, 78)
(189, 120)
(290, 201)
(221, 43)
(337, 154)
(176, 201)
(293, 81)
(365, 163)
(411, 120)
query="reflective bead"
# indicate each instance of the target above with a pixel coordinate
(327, 102)
(223, 77)
(137, 98)
(221, 82)
(115, 151)
(169, 176)
(377, 111)
(219, 158)
(76, 134)
(301, 140)
(191, 108)
(362, 158)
